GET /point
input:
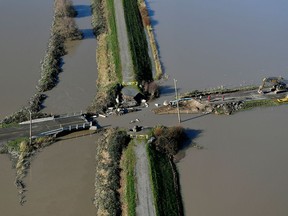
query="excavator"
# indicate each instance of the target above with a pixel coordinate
(278, 85)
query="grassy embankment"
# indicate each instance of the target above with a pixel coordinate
(137, 41)
(163, 180)
(163, 172)
(108, 54)
(219, 90)
(107, 178)
(128, 193)
(63, 28)
(247, 105)
(147, 23)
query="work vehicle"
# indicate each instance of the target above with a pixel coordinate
(278, 85)
(283, 100)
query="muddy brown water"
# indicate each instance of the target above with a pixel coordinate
(212, 43)
(206, 44)
(241, 169)
(25, 30)
(77, 86)
(60, 181)
(61, 178)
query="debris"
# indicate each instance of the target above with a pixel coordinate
(103, 116)
(93, 128)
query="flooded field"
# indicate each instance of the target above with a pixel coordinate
(211, 43)
(206, 44)
(77, 86)
(61, 178)
(240, 171)
(25, 30)
(60, 181)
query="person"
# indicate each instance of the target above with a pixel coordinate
(209, 98)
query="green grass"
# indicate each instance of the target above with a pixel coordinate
(259, 103)
(166, 199)
(13, 146)
(218, 90)
(113, 39)
(129, 178)
(9, 125)
(137, 41)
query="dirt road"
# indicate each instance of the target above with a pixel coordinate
(145, 205)
(126, 60)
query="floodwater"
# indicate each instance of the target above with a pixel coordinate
(77, 86)
(242, 168)
(61, 178)
(207, 44)
(212, 43)
(203, 44)
(60, 181)
(25, 30)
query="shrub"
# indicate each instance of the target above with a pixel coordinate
(169, 140)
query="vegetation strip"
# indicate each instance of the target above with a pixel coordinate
(21, 153)
(164, 175)
(149, 29)
(113, 39)
(219, 90)
(137, 41)
(165, 198)
(128, 162)
(63, 28)
(259, 103)
(107, 178)
(109, 67)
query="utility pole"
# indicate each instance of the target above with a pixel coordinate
(177, 102)
(30, 127)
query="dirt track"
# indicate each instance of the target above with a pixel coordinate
(126, 60)
(143, 184)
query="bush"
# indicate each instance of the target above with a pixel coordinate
(169, 140)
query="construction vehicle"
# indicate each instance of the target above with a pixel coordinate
(283, 100)
(278, 85)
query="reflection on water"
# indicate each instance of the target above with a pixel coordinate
(87, 33)
(83, 10)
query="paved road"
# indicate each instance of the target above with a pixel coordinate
(145, 205)
(126, 60)
(38, 128)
